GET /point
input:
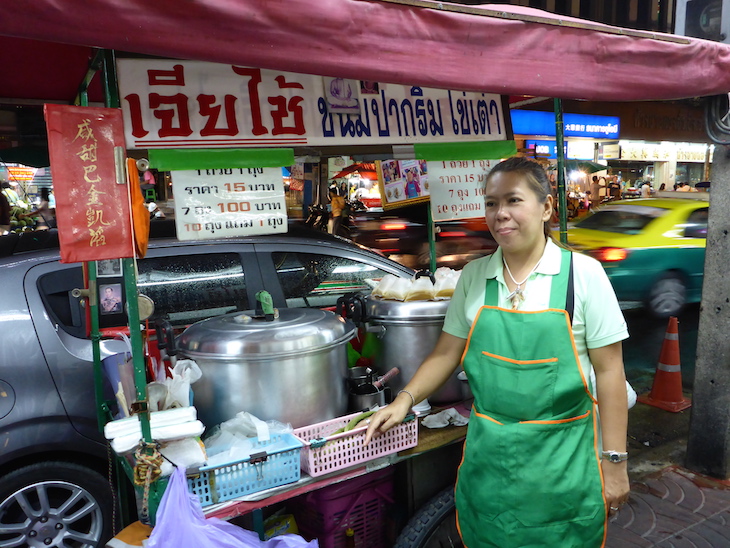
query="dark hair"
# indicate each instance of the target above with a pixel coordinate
(534, 175)
(45, 194)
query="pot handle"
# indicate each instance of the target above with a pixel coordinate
(352, 306)
(422, 273)
(165, 336)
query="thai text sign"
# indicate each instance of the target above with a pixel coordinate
(194, 104)
(457, 188)
(92, 210)
(222, 203)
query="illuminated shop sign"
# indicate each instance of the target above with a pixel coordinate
(574, 150)
(533, 122)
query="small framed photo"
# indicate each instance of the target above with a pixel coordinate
(110, 299)
(108, 267)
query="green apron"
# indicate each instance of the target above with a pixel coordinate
(530, 474)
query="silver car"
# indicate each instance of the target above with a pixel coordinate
(55, 487)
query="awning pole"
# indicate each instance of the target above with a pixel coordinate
(562, 199)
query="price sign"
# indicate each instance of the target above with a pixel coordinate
(457, 188)
(224, 203)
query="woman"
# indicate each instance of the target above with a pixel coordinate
(531, 321)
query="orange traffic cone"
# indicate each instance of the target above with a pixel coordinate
(666, 392)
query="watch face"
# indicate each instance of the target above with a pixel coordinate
(615, 457)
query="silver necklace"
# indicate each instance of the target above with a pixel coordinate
(517, 295)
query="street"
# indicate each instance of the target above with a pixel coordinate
(646, 335)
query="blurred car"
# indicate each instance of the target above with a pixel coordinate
(403, 232)
(54, 463)
(653, 249)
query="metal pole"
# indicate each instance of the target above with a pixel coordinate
(431, 240)
(562, 198)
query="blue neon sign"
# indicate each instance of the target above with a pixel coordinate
(533, 122)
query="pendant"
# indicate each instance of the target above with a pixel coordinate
(516, 297)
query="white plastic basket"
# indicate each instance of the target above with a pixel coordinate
(324, 452)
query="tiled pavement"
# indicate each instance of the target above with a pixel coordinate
(674, 508)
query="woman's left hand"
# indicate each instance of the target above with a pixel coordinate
(616, 484)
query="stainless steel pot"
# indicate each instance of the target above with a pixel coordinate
(408, 333)
(292, 369)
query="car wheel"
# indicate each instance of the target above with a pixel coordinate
(667, 296)
(55, 504)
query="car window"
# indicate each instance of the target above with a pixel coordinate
(316, 280)
(190, 288)
(622, 220)
(696, 226)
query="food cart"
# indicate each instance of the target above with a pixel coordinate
(404, 54)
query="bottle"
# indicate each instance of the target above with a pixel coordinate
(350, 538)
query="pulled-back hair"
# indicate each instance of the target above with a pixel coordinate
(534, 175)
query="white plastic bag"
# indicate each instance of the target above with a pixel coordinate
(382, 288)
(185, 373)
(234, 439)
(421, 289)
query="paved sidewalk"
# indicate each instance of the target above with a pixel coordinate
(673, 508)
(670, 506)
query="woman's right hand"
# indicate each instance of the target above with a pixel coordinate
(388, 417)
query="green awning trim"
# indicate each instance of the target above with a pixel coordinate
(219, 158)
(482, 150)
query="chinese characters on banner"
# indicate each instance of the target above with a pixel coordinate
(92, 210)
(457, 188)
(194, 104)
(222, 203)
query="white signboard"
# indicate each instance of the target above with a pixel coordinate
(457, 188)
(194, 104)
(223, 203)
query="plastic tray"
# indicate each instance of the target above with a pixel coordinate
(262, 470)
(325, 452)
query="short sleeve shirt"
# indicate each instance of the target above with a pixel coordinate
(597, 317)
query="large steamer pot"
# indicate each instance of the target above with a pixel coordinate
(408, 333)
(292, 369)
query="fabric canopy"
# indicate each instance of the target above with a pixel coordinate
(494, 48)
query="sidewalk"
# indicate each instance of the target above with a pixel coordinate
(669, 505)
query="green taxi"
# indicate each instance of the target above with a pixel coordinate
(653, 249)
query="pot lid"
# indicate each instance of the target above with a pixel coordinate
(377, 307)
(241, 335)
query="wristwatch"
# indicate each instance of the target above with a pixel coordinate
(615, 456)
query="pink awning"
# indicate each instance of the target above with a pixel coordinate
(495, 48)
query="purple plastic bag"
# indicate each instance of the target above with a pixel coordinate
(182, 524)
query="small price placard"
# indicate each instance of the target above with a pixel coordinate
(224, 203)
(457, 188)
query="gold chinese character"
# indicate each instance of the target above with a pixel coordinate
(85, 132)
(97, 237)
(90, 169)
(88, 152)
(93, 195)
(95, 216)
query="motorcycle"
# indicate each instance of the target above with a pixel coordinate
(318, 217)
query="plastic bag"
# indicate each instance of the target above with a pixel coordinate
(421, 290)
(234, 439)
(382, 288)
(184, 374)
(180, 522)
(446, 279)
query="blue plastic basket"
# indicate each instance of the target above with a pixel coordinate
(262, 470)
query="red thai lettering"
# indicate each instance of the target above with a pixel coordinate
(174, 77)
(135, 113)
(168, 116)
(284, 109)
(258, 127)
(212, 112)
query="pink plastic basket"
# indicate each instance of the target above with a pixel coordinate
(361, 504)
(325, 452)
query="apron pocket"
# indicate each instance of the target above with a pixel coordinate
(510, 386)
(560, 479)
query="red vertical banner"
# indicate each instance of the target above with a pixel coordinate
(92, 209)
